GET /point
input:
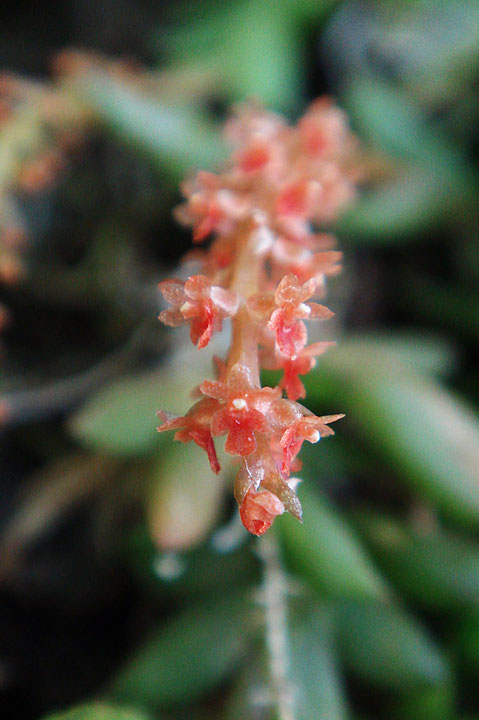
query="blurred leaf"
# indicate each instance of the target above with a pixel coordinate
(410, 203)
(179, 136)
(388, 119)
(435, 569)
(188, 655)
(121, 418)
(317, 687)
(386, 647)
(430, 703)
(263, 59)
(325, 551)
(184, 497)
(253, 47)
(429, 436)
(447, 38)
(99, 711)
(421, 351)
(436, 179)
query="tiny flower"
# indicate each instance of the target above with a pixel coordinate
(310, 428)
(300, 261)
(323, 130)
(300, 365)
(210, 207)
(243, 412)
(195, 425)
(200, 303)
(285, 311)
(255, 156)
(259, 509)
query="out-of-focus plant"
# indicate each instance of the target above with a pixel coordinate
(379, 600)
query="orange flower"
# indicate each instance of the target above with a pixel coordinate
(200, 303)
(259, 509)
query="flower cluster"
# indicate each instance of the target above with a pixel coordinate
(267, 260)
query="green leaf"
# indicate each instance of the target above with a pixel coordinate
(426, 703)
(188, 656)
(429, 436)
(381, 644)
(254, 50)
(325, 551)
(99, 711)
(176, 136)
(436, 569)
(467, 642)
(436, 179)
(121, 418)
(317, 687)
(399, 209)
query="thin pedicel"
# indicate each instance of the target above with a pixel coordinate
(266, 263)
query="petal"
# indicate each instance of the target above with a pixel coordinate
(258, 511)
(220, 422)
(197, 287)
(170, 422)
(204, 440)
(260, 306)
(215, 389)
(326, 419)
(317, 348)
(240, 442)
(226, 301)
(293, 199)
(291, 340)
(319, 312)
(173, 291)
(172, 317)
(240, 378)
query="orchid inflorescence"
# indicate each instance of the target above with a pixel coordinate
(266, 262)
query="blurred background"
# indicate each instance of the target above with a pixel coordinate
(127, 590)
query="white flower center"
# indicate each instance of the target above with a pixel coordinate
(239, 404)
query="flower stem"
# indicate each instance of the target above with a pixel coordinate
(245, 281)
(275, 601)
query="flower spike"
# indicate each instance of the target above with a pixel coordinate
(264, 268)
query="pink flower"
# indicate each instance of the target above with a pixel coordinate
(285, 310)
(210, 207)
(310, 428)
(243, 412)
(265, 267)
(301, 364)
(194, 426)
(259, 509)
(200, 303)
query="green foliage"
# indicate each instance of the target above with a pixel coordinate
(326, 552)
(430, 436)
(436, 569)
(319, 690)
(99, 711)
(188, 656)
(382, 590)
(386, 647)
